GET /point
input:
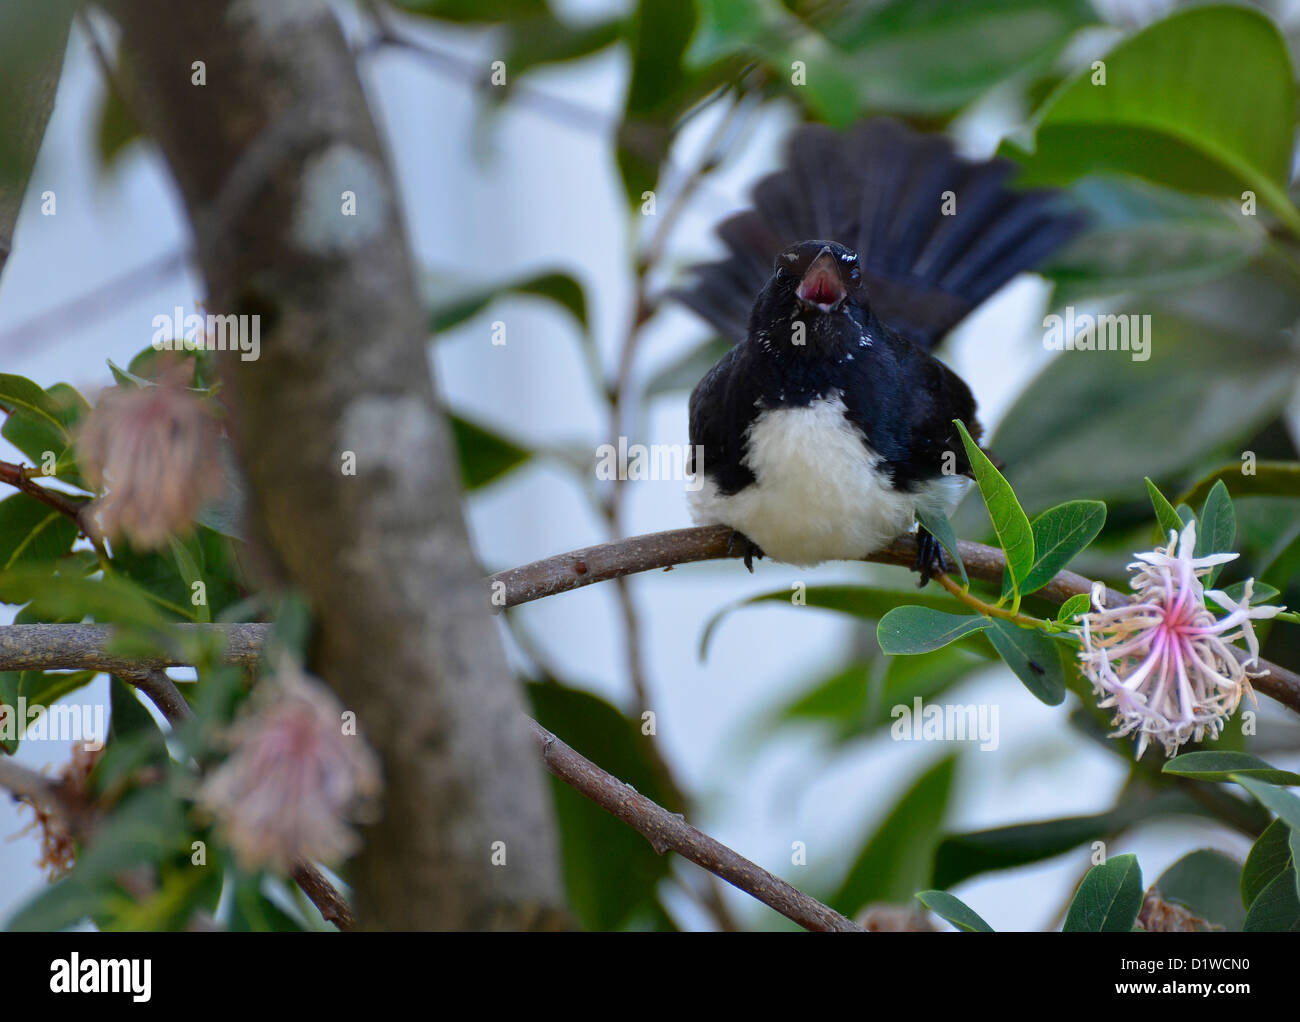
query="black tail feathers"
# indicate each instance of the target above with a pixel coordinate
(936, 233)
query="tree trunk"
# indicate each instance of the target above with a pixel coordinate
(268, 154)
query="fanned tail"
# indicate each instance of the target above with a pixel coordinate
(928, 258)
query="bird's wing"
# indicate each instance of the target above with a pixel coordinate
(716, 424)
(928, 258)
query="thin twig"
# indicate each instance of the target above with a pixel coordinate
(558, 109)
(162, 692)
(28, 784)
(17, 476)
(46, 328)
(331, 905)
(666, 831)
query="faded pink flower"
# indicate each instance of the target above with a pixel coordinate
(294, 781)
(1163, 661)
(154, 452)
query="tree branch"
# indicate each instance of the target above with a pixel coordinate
(655, 550)
(666, 831)
(46, 647)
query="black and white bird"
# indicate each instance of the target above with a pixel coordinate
(829, 424)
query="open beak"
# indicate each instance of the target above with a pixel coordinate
(822, 286)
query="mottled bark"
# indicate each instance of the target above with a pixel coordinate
(263, 154)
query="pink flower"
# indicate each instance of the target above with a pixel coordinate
(294, 779)
(1163, 661)
(154, 452)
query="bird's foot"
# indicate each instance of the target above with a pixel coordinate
(930, 559)
(739, 541)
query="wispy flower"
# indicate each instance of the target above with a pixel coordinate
(1163, 661)
(154, 452)
(294, 781)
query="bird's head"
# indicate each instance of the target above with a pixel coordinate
(810, 280)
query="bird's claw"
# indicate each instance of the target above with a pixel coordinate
(930, 560)
(750, 548)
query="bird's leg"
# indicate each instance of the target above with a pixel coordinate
(929, 556)
(750, 548)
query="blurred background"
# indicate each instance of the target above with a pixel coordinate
(525, 205)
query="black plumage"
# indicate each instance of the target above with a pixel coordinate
(855, 260)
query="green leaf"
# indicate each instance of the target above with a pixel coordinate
(894, 861)
(730, 27)
(251, 911)
(954, 910)
(135, 741)
(659, 89)
(1269, 857)
(1268, 479)
(1078, 604)
(859, 699)
(1294, 843)
(47, 688)
(911, 56)
(1109, 898)
(1041, 435)
(1204, 101)
(1143, 239)
(63, 598)
(538, 41)
(18, 394)
(866, 602)
(1216, 528)
(9, 684)
(1034, 657)
(126, 378)
(472, 11)
(685, 372)
(484, 455)
(1261, 592)
(188, 567)
(45, 427)
(906, 56)
(906, 630)
(1166, 517)
(938, 526)
(1207, 883)
(962, 856)
(33, 38)
(1009, 521)
(1277, 909)
(1285, 805)
(1060, 533)
(611, 872)
(32, 534)
(457, 302)
(1220, 766)
(116, 128)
